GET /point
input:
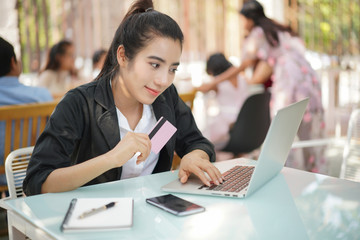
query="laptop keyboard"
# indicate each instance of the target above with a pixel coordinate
(235, 180)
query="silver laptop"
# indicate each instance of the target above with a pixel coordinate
(242, 179)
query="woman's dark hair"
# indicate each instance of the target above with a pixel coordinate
(254, 10)
(6, 54)
(58, 49)
(217, 64)
(97, 55)
(140, 25)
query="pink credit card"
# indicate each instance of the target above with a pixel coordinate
(161, 134)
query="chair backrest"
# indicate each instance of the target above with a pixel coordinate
(188, 98)
(22, 125)
(350, 168)
(250, 128)
(15, 167)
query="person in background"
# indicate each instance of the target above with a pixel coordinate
(59, 74)
(99, 131)
(13, 92)
(230, 95)
(279, 53)
(98, 60)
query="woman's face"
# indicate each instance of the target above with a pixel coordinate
(151, 71)
(67, 60)
(247, 23)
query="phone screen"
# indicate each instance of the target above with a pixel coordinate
(175, 205)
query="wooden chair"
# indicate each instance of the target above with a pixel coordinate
(23, 125)
(188, 98)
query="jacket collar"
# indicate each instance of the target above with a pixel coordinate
(107, 120)
(103, 93)
(162, 109)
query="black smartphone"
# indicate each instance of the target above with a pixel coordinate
(175, 205)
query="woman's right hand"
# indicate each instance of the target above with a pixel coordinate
(129, 146)
(206, 87)
(77, 175)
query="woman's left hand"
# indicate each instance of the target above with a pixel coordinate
(197, 162)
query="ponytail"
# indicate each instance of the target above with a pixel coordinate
(271, 29)
(140, 7)
(140, 25)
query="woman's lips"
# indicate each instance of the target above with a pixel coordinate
(152, 91)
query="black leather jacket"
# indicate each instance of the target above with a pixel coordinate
(85, 125)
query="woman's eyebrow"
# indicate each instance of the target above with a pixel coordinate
(162, 60)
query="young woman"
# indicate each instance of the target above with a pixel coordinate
(59, 72)
(97, 128)
(278, 52)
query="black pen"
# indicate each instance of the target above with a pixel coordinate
(96, 210)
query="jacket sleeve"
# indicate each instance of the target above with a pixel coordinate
(188, 137)
(56, 144)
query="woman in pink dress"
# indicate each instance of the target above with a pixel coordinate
(279, 53)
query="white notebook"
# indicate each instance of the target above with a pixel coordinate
(118, 216)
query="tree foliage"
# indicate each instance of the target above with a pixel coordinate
(330, 26)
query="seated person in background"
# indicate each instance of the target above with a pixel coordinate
(12, 91)
(230, 95)
(98, 60)
(59, 74)
(98, 129)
